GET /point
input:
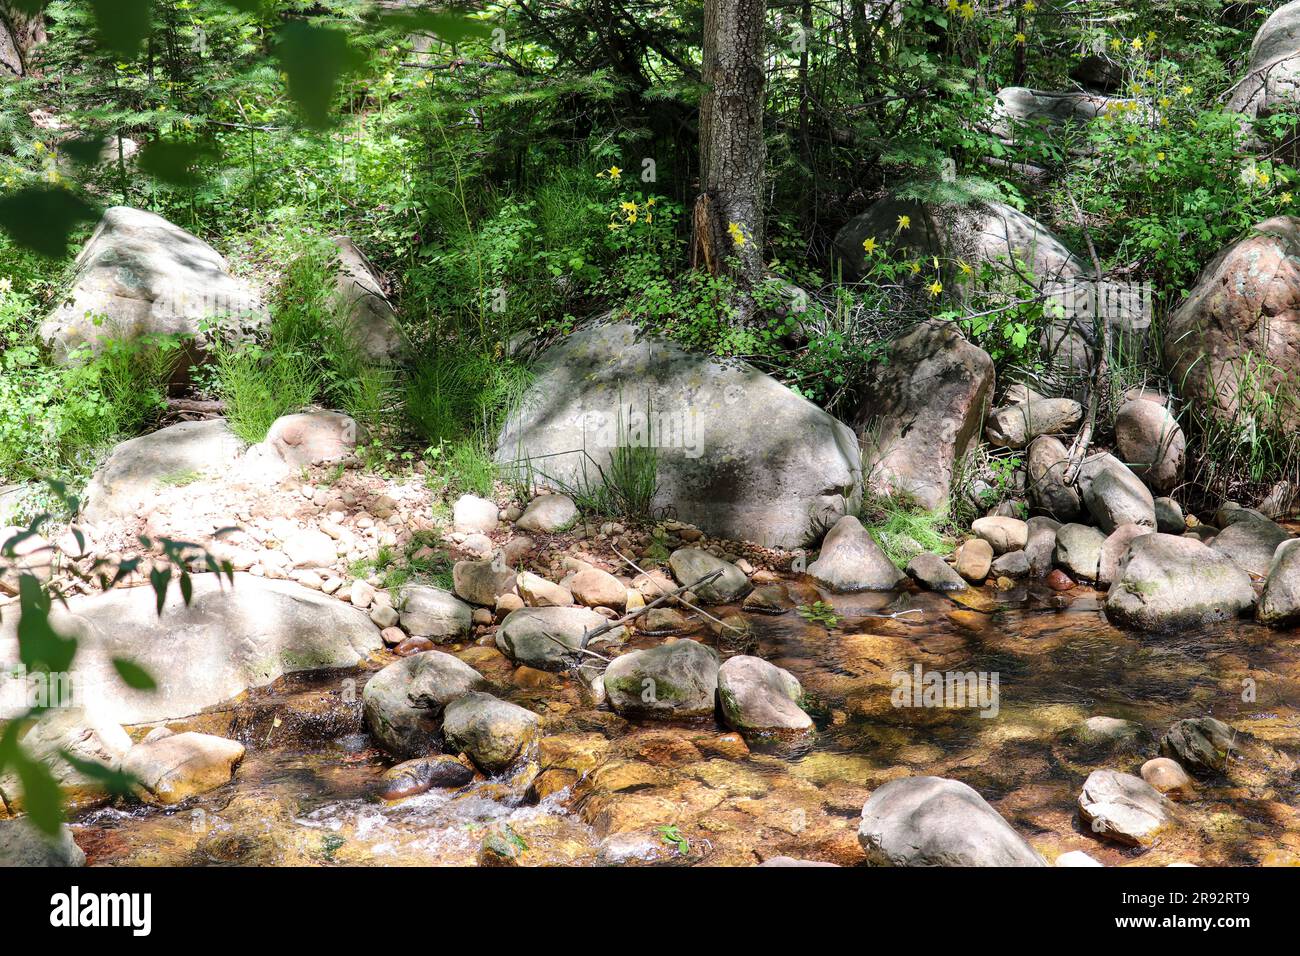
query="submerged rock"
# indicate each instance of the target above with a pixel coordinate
(402, 703)
(1201, 744)
(1123, 808)
(413, 777)
(1168, 777)
(933, 821)
(759, 698)
(670, 680)
(1168, 581)
(850, 560)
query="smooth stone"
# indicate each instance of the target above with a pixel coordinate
(974, 560)
(1169, 516)
(935, 573)
(691, 564)
(760, 698)
(1251, 543)
(412, 777)
(1168, 777)
(495, 734)
(1004, 534)
(1040, 550)
(1046, 462)
(482, 582)
(426, 611)
(1116, 496)
(1078, 550)
(23, 845)
(1013, 564)
(1279, 605)
(176, 767)
(1115, 548)
(670, 680)
(472, 514)
(539, 592)
(1168, 582)
(1199, 744)
(548, 637)
(402, 703)
(1123, 808)
(1017, 425)
(549, 514)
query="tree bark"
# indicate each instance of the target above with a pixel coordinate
(732, 153)
(20, 34)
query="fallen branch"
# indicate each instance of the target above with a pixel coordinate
(688, 604)
(1079, 449)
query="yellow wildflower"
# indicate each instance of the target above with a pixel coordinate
(1286, 199)
(967, 11)
(1030, 6)
(1186, 91)
(1137, 43)
(904, 222)
(869, 245)
(1020, 38)
(965, 268)
(737, 233)
(935, 288)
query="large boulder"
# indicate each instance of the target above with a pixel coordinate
(1151, 441)
(139, 275)
(316, 437)
(922, 410)
(1018, 108)
(402, 704)
(1168, 581)
(230, 638)
(933, 821)
(669, 681)
(83, 734)
(21, 844)
(739, 454)
(495, 734)
(850, 560)
(761, 699)
(548, 638)
(1116, 496)
(1015, 426)
(1272, 80)
(431, 612)
(1280, 603)
(136, 470)
(1251, 543)
(1078, 550)
(1235, 340)
(360, 302)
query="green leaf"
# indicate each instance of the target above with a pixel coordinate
(41, 218)
(123, 24)
(40, 647)
(315, 58)
(41, 796)
(450, 27)
(84, 150)
(174, 161)
(158, 579)
(133, 675)
(115, 782)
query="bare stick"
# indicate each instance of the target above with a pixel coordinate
(697, 610)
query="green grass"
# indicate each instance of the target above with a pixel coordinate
(904, 530)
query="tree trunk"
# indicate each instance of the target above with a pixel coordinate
(20, 34)
(729, 213)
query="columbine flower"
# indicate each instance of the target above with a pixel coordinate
(1116, 44)
(1263, 178)
(737, 233)
(904, 222)
(935, 288)
(1160, 157)
(965, 268)
(1020, 38)
(915, 267)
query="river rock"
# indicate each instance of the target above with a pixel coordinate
(761, 699)
(1272, 79)
(935, 573)
(22, 845)
(1123, 808)
(1078, 550)
(933, 821)
(1168, 582)
(175, 767)
(358, 299)
(136, 469)
(471, 514)
(596, 588)
(495, 734)
(87, 736)
(850, 560)
(1003, 533)
(1114, 549)
(402, 703)
(139, 275)
(1013, 564)
(1040, 549)
(1151, 441)
(482, 582)
(1243, 310)
(1199, 744)
(1169, 517)
(1047, 491)
(539, 592)
(312, 438)
(231, 637)
(413, 777)
(1168, 777)
(549, 514)
(1017, 425)
(974, 560)
(310, 548)
(1076, 858)
(1251, 543)
(739, 455)
(1280, 604)
(431, 612)
(546, 637)
(670, 680)
(922, 410)
(1116, 496)
(691, 564)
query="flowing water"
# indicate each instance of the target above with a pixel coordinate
(305, 792)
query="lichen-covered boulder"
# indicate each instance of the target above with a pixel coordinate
(404, 701)
(669, 680)
(761, 699)
(1168, 581)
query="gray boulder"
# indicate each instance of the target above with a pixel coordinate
(472, 514)
(1078, 550)
(1123, 808)
(1150, 439)
(1015, 426)
(403, 702)
(360, 302)
(1002, 532)
(140, 275)
(1047, 491)
(548, 637)
(1251, 543)
(1114, 550)
(1168, 581)
(691, 564)
(1018, 107)
(21, 844)
(1040, 549)
(935, 573)
(1280, 604)
(761, 699)
(850, 560)
(495, 734)
(739, 455)
(670, 680)
(1272, 80)
(1116, 497)
(1169, 516)
(433, 613)
(1199, 744)
(482, 582)
(933, 821)
(549, 514)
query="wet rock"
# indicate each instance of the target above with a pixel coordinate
(176, 767)
(644, 848)
(768, 599)
(691, 564)
(1168, 581)
(1169, 516)
(596, 588)
(539, 592)
(501, 846)
(1076, 858)
(1251, 543)
(431, 612)
(1004, 534)
(933, 821)
(922, 410)
(1058, 580)
(1123, 808)
(472, 514)
(671, 680)
(850, 560)
(935, 573)
(549, 514)
(1013, 564)
(660, 621)
(1150, 439)
(482, 582)
(412, 645)
(974, 559)
(761, 699)
(1107, 740)
(1280, 604)
(1115, 548)
(21, 844)
(495, 734)
(1040, 550)
(1017, 425)
(412, 777)
(312, 438)
(547, 637)
(1078, 550)
(1116, 496)
(1047, 491)
(1168, 777)
(1200, 744)
(402, 703)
